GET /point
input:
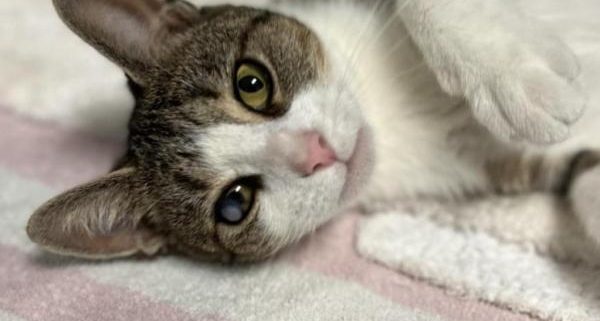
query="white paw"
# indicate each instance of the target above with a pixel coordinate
(532, 96)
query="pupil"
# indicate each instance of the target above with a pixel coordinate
(236, 197)
(250, 84)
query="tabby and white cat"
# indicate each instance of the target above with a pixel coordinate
(253, 127)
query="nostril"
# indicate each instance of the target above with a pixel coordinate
(317, 167)
(319, 155)
(312, 168)
(322, 142)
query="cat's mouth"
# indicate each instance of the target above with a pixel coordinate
(359, 166)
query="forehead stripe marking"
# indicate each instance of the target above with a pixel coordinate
(252, 25)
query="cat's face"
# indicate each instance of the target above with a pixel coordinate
(244, 138)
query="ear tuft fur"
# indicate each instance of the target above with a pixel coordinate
(135, 34)
(100, 220)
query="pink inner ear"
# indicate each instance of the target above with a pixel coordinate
(96, 220)
(122, 243)
(179, 15)
(127, 32)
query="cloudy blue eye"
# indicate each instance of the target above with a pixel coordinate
(236, 202)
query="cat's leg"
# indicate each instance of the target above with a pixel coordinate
(585, 199)
(522, 172)
(517, 77)
(575, 177)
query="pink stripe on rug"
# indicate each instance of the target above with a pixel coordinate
(52, 155)
(43, 293)
(331, 251)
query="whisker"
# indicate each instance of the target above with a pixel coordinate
(388, 55)
(358, 48)
(394, 78)
(361, 44)
(355, 53)
(381, 32)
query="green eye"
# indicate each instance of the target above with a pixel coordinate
(253, 86)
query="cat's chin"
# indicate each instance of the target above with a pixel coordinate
(359, 167)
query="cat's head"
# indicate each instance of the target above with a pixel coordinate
(245, 135)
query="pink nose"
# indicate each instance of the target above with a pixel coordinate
(319, 155)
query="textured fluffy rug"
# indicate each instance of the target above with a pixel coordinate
(527, 253)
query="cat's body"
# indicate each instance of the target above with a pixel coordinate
(409, 98)
(428, 143)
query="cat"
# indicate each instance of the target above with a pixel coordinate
(255, 125)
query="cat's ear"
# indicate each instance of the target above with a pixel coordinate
(99, 220)
(132, 33)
